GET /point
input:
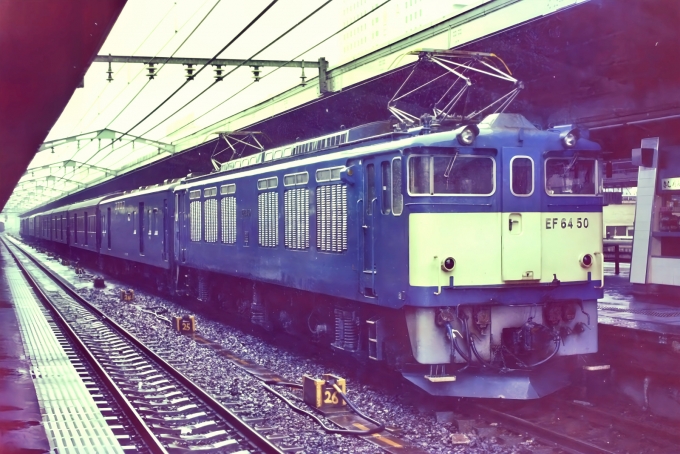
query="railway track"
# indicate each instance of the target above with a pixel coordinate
(580, 427)
(166, 412)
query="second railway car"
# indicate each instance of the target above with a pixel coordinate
(470, 259)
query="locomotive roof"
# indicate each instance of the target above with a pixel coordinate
(495, 123)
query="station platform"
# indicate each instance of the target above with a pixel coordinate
(45, 403)
(638, 332)
(21, 426)
(622, 308)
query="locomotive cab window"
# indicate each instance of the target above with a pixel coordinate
(522, 176)
(452, 174)
(570, 176)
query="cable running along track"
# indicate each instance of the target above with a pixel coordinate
(169, 412)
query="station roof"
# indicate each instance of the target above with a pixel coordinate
(593, 63)
(45, 50)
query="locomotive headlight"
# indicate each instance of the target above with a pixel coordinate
(448, 264)
(467, 135)
(570, 138)
(586, 261)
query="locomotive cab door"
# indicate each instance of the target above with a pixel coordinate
(520, 221)
(367, 215)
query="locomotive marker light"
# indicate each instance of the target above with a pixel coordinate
(448, 264)
(468, 135)
(347, 175)
(586, 261)
(569, 138)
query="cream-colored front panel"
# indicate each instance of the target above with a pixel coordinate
(565, 238)
(472, 239)
(521, 246)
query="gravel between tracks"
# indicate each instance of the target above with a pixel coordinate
(413, 417)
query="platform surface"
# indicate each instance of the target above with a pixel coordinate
(622, 308)
(21, 426)
(67, 414)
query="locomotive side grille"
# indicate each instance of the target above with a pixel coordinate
(229, 220)
(296, 211)
(211, 221)
(195, 220)
(268, 218)
(331, 218)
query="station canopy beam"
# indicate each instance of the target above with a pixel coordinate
(105, 134)
(218, 63)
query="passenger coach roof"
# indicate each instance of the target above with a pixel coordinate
(146, 190)
(88, 203)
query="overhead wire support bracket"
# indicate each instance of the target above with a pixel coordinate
(151, 62)
(205, 61)
(107, 134)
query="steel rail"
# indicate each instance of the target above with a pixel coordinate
(151, 441)
(545, 435)
(259, 440)
(624, 423)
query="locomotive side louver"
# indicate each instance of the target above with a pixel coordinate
(296, 207)
(211, 221)
(229, 220)
(195, 219)
(331, 222)
(268, 219)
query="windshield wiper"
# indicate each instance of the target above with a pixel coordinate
(571, 164)
(449, 166)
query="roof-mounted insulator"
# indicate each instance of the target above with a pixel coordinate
(218, 73)
(256, 73)
(151, 70)
(302, 76)
(110, 73)
(190, 71)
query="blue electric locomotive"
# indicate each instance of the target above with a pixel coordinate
(475, 247)
(469, 257)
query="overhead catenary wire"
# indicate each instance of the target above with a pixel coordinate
(158, 72)
(167, 59)
(242, 64)
(161, 21)
(276, 69)
(147, 82)
(250, 24)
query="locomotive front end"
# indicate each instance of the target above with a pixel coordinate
(505, 259)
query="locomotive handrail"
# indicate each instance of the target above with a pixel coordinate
(373, 271)
(601, 254)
